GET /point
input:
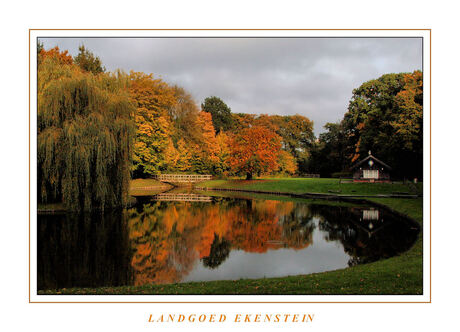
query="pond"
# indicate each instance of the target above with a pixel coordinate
(185, 237)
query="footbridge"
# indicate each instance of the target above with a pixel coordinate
(183, 178)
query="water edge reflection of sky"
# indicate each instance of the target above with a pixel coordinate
(320, 256)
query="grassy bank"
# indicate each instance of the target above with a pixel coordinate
(397, 275)
(316, 185)
(147, 187)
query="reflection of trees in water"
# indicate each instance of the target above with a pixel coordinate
(298, 227)
(160, 252)
(220, 249)
(167, 238)
(160, 242)
(386, 237)
(83, 250)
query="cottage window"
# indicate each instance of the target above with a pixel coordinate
(371, 173)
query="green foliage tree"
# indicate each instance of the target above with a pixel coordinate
(87, 61)
(220, 112)
(330, 153)
(386, 116)
(297, 133)
(84, 136)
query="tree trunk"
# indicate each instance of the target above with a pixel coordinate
(248, 176)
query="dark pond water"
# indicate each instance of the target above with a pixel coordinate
(195, 238)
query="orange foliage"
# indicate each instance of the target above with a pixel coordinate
(223, 141)
(153, 98)
(64, 57)
(205, 151)
(287, 163)
(408, 122)
(209, 135)
(255, 150)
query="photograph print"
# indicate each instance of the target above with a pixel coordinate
(247, 165)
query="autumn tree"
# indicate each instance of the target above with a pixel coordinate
(296, 132)
(62, 57)
(205, 152)
(177, 159)
(87, 61)
(222, 166)
(242, 121)
(220, 112)
(153, 99)
(286, 163)
(184, 116)
(85, 132)
(408, 122)
(255, 150)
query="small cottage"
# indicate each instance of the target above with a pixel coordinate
(371, 169)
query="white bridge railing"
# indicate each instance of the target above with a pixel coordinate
(182, 197)
(182, 177)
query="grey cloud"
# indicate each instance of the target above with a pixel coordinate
(313, 77)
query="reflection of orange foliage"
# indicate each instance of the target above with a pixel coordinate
(167, 239)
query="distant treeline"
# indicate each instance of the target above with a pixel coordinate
(96, 130)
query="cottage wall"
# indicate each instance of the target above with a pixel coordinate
(358, 172)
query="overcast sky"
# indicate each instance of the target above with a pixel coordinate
(313, 77)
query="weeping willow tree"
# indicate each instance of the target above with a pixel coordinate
(85, 137)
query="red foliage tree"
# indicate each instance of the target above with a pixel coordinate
(255, 150)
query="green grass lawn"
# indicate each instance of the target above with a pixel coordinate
(397, 275)
(315, 185)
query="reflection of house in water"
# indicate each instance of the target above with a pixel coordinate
(370, 214)
(371, 222)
